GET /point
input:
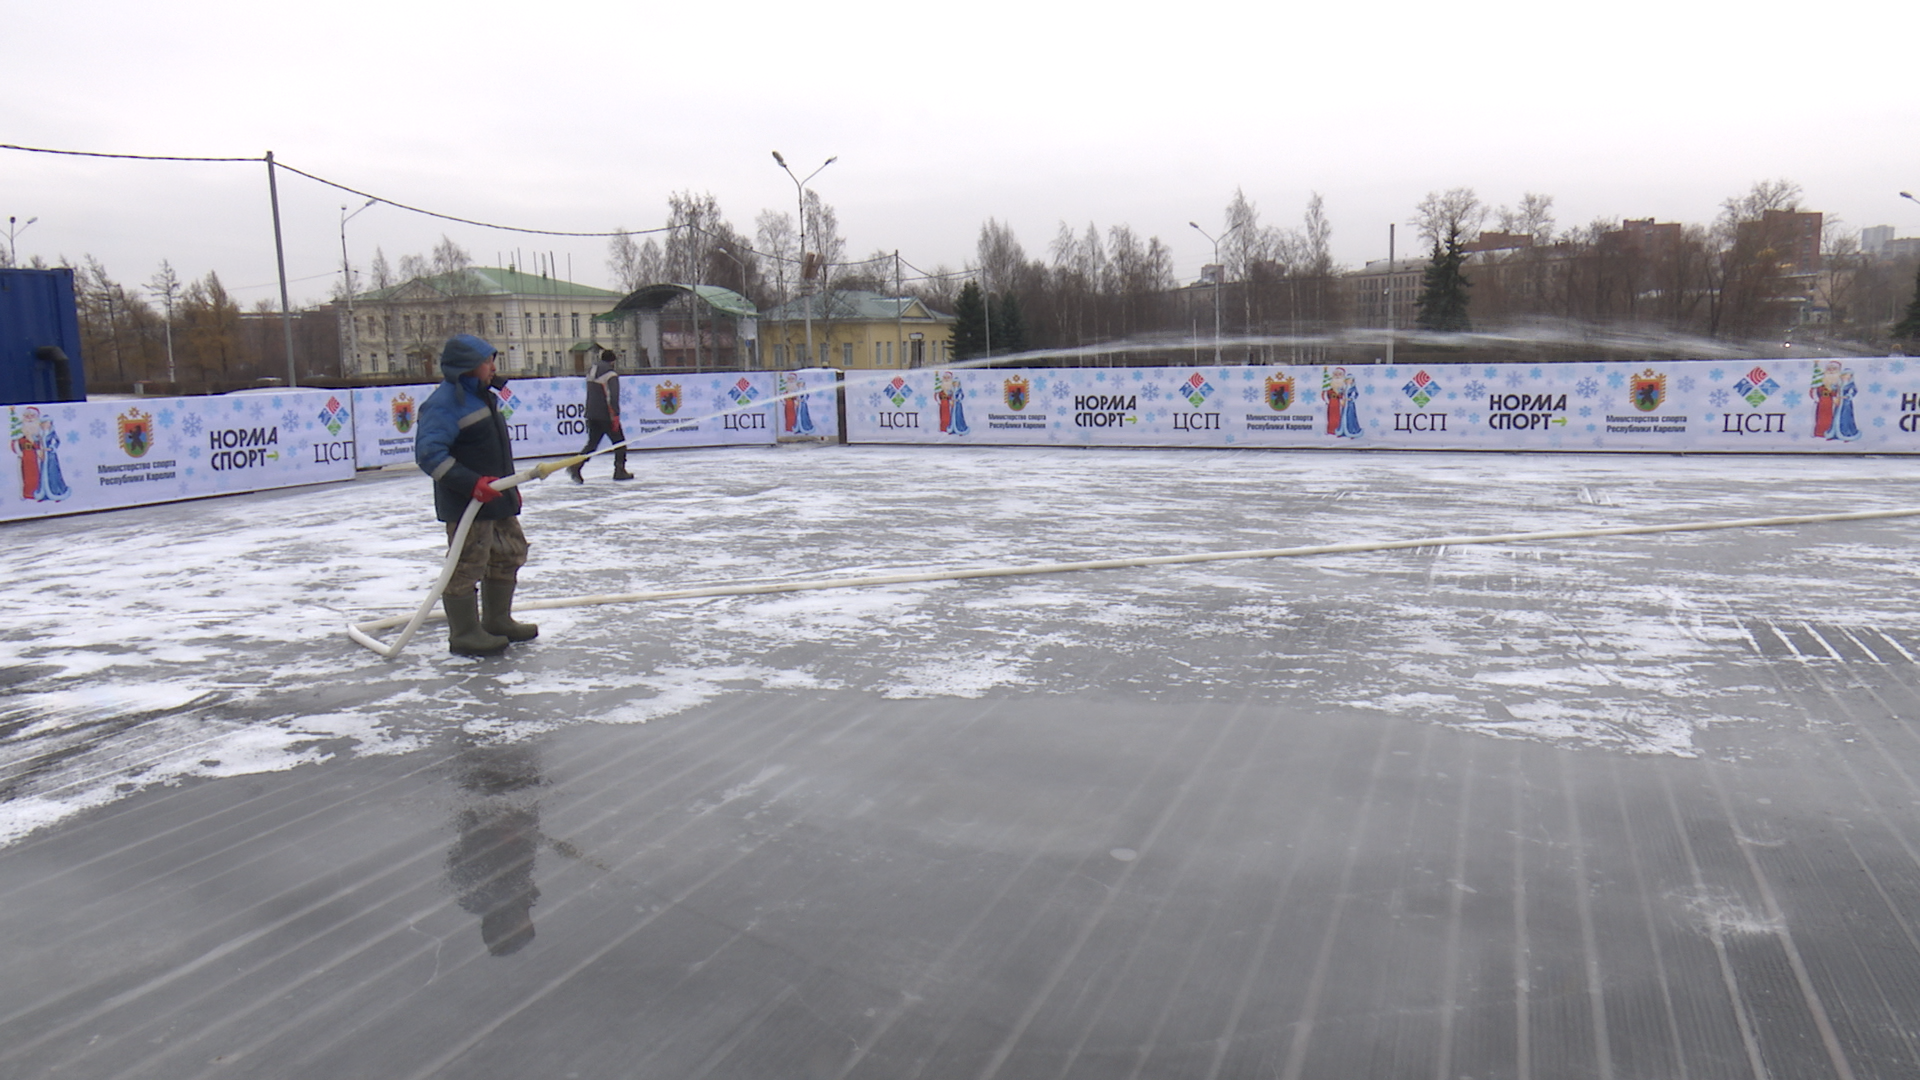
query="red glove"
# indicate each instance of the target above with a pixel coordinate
(616, 428)
(483, 490)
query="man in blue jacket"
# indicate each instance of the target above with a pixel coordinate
(462, 444)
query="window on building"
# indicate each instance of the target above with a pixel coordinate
(543, 323)
(499, 323)
(576, 325)
(877, 361)
(846, 354)
(479, 324)
(529, 317)
(406, 325)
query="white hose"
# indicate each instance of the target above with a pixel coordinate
(360, 632)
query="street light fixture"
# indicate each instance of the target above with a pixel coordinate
(346, 273)
(13, 250)
(1218, 273)
(800, 196)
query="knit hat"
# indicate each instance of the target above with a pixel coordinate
(463, 354)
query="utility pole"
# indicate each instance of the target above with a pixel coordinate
(1390, 307)
(346, 272)
(280, 254)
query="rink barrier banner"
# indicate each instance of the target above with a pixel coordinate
(383, 422)
(1861, 405)
(548, 417)
(78, 456)
(813, 410)
(98, 455)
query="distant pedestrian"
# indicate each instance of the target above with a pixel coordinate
(603, 416)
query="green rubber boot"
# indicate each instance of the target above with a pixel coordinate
(496, 600)
(465, 636)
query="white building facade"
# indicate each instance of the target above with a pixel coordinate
(542, 326)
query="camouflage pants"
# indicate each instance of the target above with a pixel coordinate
(495, 551)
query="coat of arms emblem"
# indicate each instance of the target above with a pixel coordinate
(1649, 390)
(136, 432)
(1279, 392)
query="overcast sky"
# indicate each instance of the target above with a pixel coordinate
(584, 117)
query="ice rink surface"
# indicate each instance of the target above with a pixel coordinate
(1639, 806)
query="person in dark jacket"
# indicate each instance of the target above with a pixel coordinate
(603, 416)
(462, 444)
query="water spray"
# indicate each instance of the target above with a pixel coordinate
(362, 632)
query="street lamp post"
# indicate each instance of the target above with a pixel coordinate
(346, 276)
(800, 196)
(13, 250)
(1218, 273)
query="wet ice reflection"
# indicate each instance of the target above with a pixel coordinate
(497, 834)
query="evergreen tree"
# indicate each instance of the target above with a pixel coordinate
(970, 331)
(1443, 291)
(1009, 326)
(1908, 328)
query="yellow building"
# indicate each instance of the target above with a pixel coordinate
(853, 328)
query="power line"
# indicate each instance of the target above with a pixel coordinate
(923, 275)
(450, 217)
(131, 157)
(332, 184)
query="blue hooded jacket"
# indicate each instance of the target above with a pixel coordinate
(462, 436)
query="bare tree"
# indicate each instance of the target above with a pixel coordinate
(623, 260)
(211, 324)
(166, 285)
(1457, 213)
(1532, 218)
(823, 235)
(692, 221)
(774, 237)
(1317, 232)
(1754, 238)
(875, 273)
(999, 255)
(1074, 283)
